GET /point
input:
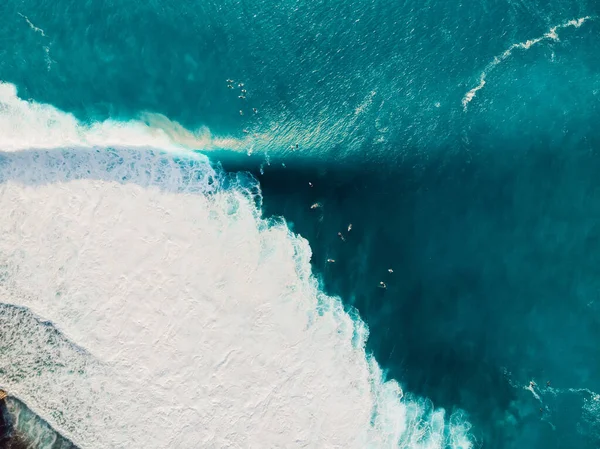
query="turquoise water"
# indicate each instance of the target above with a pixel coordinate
(30, 431)
(486, 210)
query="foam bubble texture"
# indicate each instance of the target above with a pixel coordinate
(178, 316)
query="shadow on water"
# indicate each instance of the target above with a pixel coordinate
(495, 260)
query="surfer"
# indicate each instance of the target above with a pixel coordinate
(310, 184)
(341, 236)
(314, 206)
(390, 270)
(255, 110)
(350, 227)
(382, 285)
(331, 260)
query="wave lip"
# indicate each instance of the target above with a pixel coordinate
(200, 322)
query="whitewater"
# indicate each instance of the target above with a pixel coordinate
(145, 302)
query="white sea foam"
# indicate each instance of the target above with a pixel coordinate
(36, 344)
(27, 124)
(32, 26)
(552, 34)
(185, 319)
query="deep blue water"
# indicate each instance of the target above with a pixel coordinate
(489, 216)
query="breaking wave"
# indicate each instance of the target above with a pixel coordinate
(147, 303)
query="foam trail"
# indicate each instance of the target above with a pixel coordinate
(550, 35)
(47, 57)
(531, 388)
(184, 318)
(32, 26)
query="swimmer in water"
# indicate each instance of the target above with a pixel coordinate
(314, 206)
(548, 383)
(382, 285)
(350, 227)
(331, 260)
(342, 237)
(245, 131)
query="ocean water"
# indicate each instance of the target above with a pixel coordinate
(182, 267)
(29, 431)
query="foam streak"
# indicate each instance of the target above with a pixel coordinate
(550, 35)
(32, 26)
